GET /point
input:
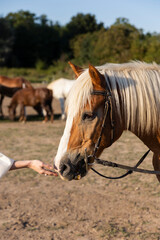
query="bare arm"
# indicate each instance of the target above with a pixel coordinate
(36, 165)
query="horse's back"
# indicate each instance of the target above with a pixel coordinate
(18, 82)
(43, 95)
(61, 87)
(44, 92)
(24, 92)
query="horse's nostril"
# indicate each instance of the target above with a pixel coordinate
(65, 169)
(72, 169)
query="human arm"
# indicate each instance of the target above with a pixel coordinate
(7, 164)
(36, 165)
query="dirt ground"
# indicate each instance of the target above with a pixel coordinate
(38, 207)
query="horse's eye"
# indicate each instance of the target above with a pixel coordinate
(88, 116)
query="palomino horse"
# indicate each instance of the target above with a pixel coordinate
(40, 98)
(8, 86)
(61, 88)
(132, 94)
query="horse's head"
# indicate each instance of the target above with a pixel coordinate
(86, 113)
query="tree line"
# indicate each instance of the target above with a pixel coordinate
(29, 41)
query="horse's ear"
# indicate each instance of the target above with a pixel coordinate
(97, 78)
(77, 70)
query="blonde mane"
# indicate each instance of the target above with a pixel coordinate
(137, 84)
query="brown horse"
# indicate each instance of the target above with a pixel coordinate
(115, 97)
(8, 86)
(37, 98)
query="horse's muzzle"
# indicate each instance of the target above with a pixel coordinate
(73, 168)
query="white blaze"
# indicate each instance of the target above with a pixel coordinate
(63, 142)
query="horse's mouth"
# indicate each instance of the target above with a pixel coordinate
(73, 169)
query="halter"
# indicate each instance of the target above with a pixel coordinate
(108, 108)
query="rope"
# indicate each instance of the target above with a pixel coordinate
(130, 169)
(122, 176)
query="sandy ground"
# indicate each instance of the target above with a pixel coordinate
(38, 207)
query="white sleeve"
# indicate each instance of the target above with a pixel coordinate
(5, 164)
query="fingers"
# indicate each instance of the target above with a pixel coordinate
(47, 166)
(49, 172)
(44, 168)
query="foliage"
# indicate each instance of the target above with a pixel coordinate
(30, 41)
(153, 49)
(81, 24)
(120, 43)
(40, 65)
(6, 41)
(35, 39)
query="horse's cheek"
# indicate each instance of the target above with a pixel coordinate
(89, 130)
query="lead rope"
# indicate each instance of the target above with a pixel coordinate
(131, 169)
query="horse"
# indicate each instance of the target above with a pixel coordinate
(61, 88)
(115, 98)
(39, 98)
(8, 86)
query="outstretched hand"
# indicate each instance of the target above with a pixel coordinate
(42, 168)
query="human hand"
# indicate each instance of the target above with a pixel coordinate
(42, 168)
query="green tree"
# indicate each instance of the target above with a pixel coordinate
(79, 24)
(28, 41)
(138, 45)
(153, 48)
(21, 18)
(83, 23)
(111, 45)
(36, 38)
(83, 47)
(118, 40)
(6, 41)
(23, 24)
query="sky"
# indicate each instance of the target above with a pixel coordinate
(144, 14)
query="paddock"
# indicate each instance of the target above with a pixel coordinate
(39, 207)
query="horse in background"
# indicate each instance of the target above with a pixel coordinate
(104, 102)
(8, 87)
(39, 98)
(61, 88)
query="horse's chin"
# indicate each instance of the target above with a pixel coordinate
(77, 177)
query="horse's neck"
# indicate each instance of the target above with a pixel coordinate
(145, 137)
(26, 84)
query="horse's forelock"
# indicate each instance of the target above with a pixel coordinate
(79, 94)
